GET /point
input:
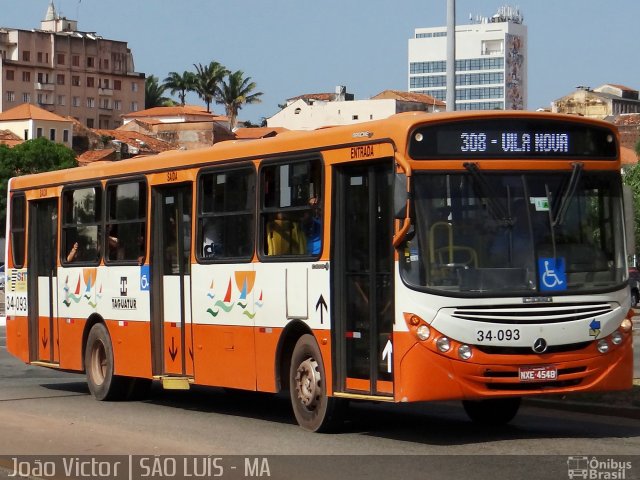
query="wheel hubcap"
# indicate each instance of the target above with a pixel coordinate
(308, 383)
(98, 363)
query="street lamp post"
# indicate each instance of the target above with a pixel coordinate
(451, 55)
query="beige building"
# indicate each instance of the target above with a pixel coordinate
(308, 112)
(186, 127)
(601, 102)
(29, 121)
(69, 72)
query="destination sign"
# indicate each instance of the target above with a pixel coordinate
(513, 138)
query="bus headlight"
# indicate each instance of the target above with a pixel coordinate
(423, 332)
(616, 338)
(603, 346)
(443, 344)
(465, 352)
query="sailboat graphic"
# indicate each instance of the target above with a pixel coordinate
(244, 281)
(242, 301)
(75, 296)
(259, 302)
(211, 294)
(226, 304)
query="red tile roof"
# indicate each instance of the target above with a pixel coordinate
(325, 97)
(260, 132)
(409, 97)
(9, 138)
(140, 140)
(26, 111)
(622, 87)
(626, 119)
(91, 156)
(178, 111)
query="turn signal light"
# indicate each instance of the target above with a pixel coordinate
(626, 325)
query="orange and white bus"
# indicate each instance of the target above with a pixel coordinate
(472, 256)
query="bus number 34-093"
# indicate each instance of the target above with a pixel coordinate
(17, 303)
(499, 335)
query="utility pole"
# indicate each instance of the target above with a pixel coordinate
(451, 55)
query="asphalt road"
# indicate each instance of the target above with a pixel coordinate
(45, 412)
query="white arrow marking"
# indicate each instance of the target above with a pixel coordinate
(386, 352)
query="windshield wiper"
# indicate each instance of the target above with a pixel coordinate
(560, 208)
(495, 207)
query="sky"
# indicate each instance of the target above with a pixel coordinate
(292, 47)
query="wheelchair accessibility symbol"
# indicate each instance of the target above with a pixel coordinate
(145, 278)
(553, 276)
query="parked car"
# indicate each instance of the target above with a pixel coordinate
(2, 277)
(634, 285)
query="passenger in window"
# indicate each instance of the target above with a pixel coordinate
(141, 249)
(312, 225)
(115, 252)
(211, 240)
(73, 253)
(285, 236)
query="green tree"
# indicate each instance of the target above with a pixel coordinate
(235, 91)
(208, 79)
(32, 156)
(631, 177)
(154, 93)
(180, 84)
(638, 148)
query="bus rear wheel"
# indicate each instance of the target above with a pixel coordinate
(313, 409)
(498, 411)
(98, 362)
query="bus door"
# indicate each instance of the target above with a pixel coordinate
(171, 281)
(362, 269)
(43, 281)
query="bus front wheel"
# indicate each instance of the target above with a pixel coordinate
(499, 411)
(98, 362)
(313, 408)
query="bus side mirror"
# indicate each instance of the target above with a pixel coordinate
(629, 221)
(400, 196)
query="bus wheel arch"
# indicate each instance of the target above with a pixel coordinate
(313, 408)
(287, 342)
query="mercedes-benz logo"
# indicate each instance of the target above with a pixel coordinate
(540, 345)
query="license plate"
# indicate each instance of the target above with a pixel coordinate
(538, 374)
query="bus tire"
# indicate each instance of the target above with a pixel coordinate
(313, 409)
(493, 412)
(98, 362)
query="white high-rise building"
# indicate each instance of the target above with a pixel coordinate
(491, 62)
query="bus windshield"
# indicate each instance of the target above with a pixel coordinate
(482, 233)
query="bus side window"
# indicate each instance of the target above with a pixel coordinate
(81, 225)
(291, 208)
(226, 212)
(18, 211)
(125, 239)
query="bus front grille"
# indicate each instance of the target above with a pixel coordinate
(534, 313)
(495, 350)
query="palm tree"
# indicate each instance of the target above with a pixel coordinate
(180, 84)
(235, 92)
(208, 78)
(153, 93)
